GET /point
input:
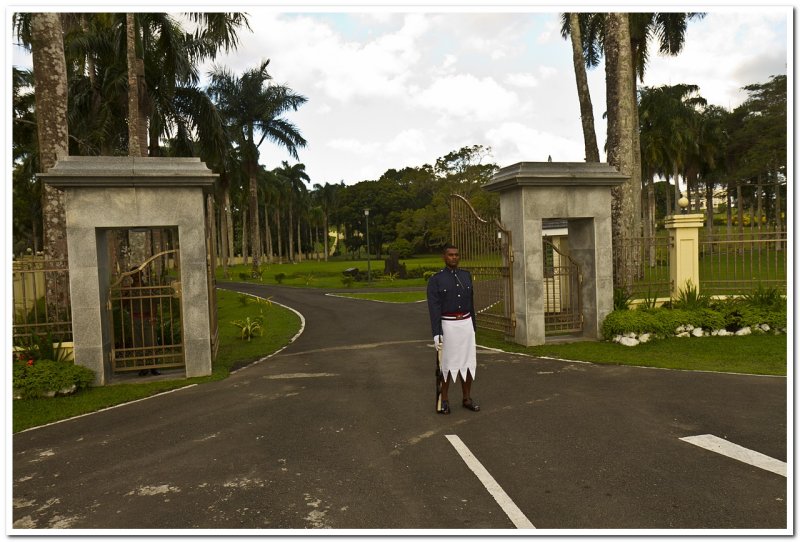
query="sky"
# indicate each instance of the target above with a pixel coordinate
(403, 86)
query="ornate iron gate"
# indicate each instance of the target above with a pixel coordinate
(485, 248)
(563, 312)
(144, 306)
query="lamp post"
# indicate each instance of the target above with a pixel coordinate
(683, 203)
(369, 269)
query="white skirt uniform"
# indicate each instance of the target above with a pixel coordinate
(458, 349)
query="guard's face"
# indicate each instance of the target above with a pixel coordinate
(451, 257)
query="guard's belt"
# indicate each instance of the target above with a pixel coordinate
(456, 315)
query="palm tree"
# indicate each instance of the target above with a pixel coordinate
(668, 126)
(571, 27)
(669, 29)
(328, 201)
(620, 106)
(253, 110)
(50, 77)
(292, 178)
(134, 80)
(27, 195)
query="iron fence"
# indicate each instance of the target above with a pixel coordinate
(41, 299)
(735, 263)
(646, 260)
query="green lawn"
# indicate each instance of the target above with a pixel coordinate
(328, 275)
(280, 326)
(752, 354)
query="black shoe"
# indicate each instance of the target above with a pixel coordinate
(469, 404)
(445, 408)
(155, 372)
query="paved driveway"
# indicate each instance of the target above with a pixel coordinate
(338, 431)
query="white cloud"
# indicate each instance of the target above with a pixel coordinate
(307, 52)
(465, 96)
(353, 146)
(551, 32)
(449, 62)
(723, 52)
(524, 80)
(407, 142)
(515, 142)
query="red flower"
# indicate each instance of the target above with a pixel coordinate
(30, 362)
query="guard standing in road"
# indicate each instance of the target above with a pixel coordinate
(450, 303)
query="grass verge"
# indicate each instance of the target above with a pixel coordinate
(314, 274)
(752, 354)
(280, 326)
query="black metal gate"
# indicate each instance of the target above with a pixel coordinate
(485, 248)
(563, 312)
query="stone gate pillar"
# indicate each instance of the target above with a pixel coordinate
(580, 193)
(105, 192)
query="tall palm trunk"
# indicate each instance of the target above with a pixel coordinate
(585, 99)
(255, 238)
(299, 243)
(229, 226)
(619, 66)
(245, 247)
(278, 233)
(50, 75)
(290, 234)
(267, 234)
(759, 199)
(728, 211)
(133, 87)
(740, 206)
(326, 234)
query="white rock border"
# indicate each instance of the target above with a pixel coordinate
(688, 330)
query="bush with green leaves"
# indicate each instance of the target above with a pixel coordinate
(738, 314)
(620, 322)
(689, 297)
(764, 297)
(402, 247)
(47, 378)
(691, 308)
(421, 272)
(249, 327)
(622, 299)
(279, 277)
(41, 346)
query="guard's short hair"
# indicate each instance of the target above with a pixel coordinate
(447, 247)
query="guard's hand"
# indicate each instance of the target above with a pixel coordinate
(437, 342)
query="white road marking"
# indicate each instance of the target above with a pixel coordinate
(512, 510)
(740, 453)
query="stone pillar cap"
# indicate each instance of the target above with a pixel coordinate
(572, 174)
(127, 171)
(684, 221)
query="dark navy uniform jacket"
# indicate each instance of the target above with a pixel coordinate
(449, 291)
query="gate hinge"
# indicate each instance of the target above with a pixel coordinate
(510, 256)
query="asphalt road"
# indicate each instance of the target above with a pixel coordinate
(338, 431)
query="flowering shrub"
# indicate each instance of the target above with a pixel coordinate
(46, 378)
